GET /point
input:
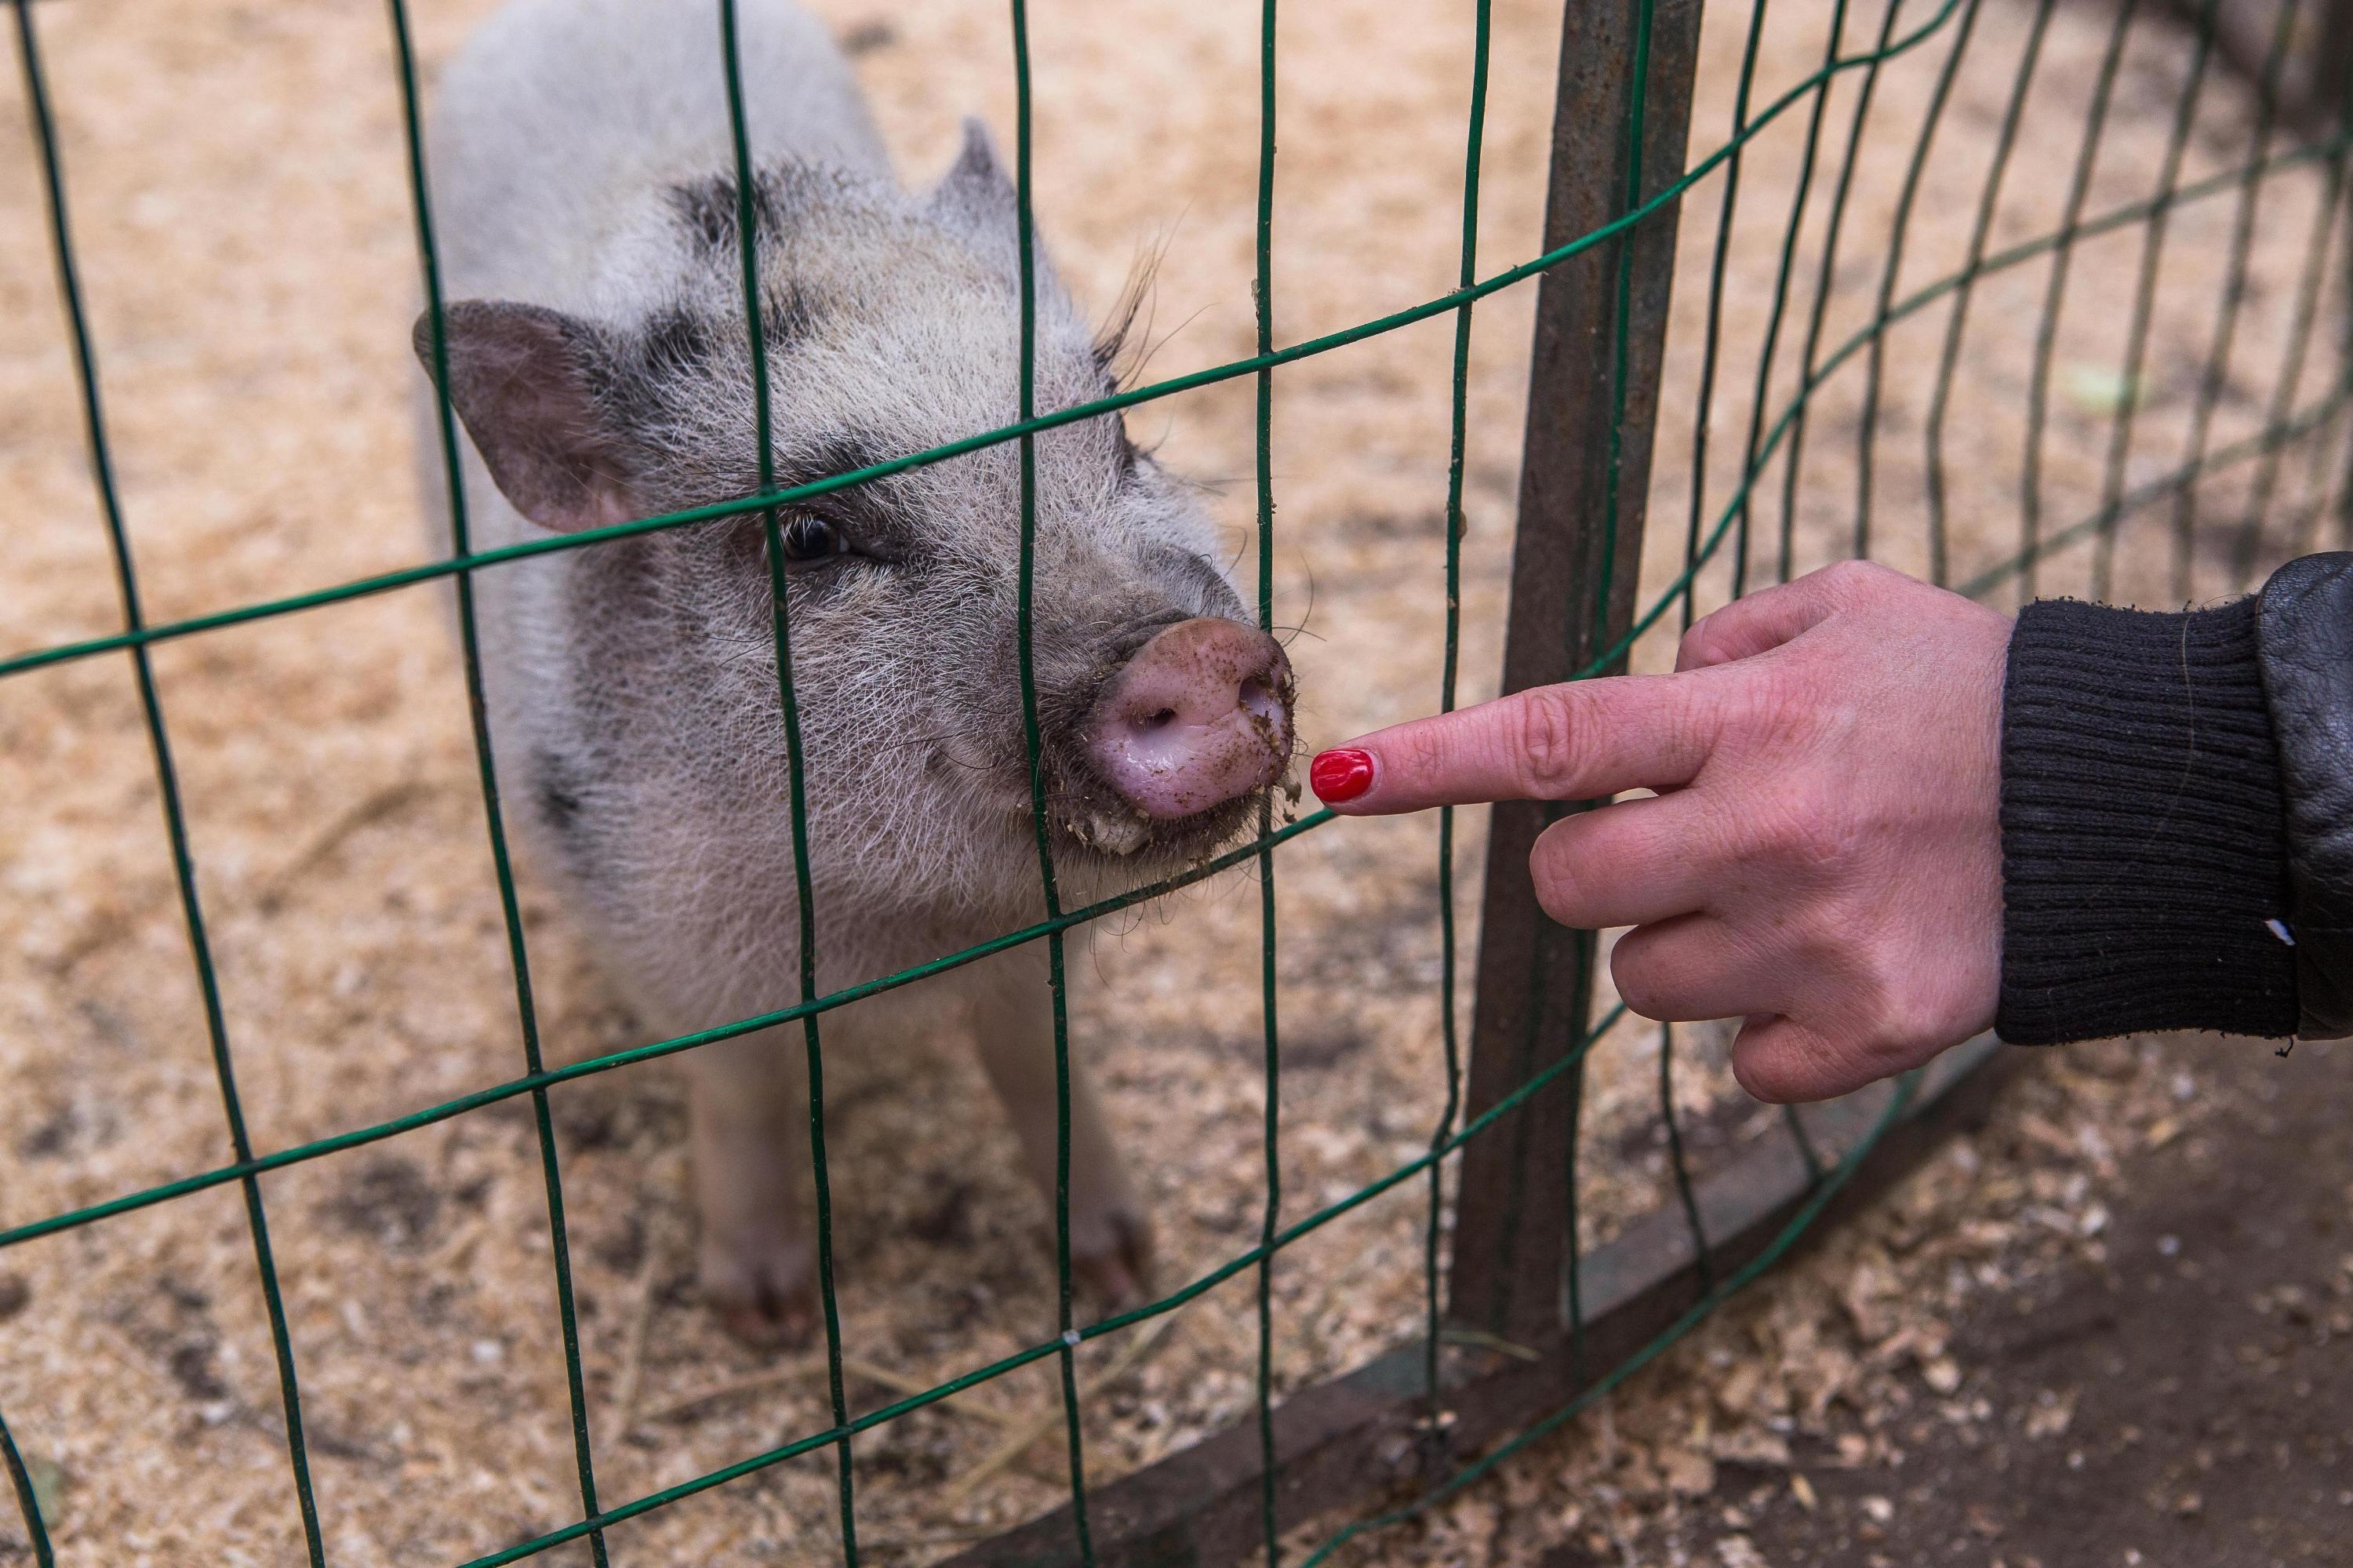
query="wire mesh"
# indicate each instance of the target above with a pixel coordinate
(1720, 542)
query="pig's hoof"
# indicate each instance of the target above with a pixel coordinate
(1115, 1264)
(766, 1300)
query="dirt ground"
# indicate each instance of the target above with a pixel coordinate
(2108, 1328)
(245, 239)
(2176, 1397)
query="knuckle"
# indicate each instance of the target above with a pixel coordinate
(1543, 738)
(1701, 645)
(1774, 701)
(1849, 579)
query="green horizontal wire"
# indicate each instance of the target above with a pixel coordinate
(393, 1128)
(1239, 1262)
(383, 582)
(2314, 417)
(28, 1501)
(494, 817)
(167, 781)
(2014, 256)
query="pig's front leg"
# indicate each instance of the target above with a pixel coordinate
(749, 1109)
(1013, 1023)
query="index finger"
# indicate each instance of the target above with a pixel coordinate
(1572, 742)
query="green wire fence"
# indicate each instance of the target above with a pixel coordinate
(2295, 131)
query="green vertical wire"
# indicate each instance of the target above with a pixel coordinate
(1709, 352)
(797, 774)
(2046, 331)
(509, 906)
(183, 866)
(1874, 370)
(1457, 446)
(1765, 357)
(1262, 291)
(2234, 294)
(29, 1502)
(2120, 427)
(1703, 1259)
(2282, 399)
(2318, 484)
(1712, 342)
(1824, 284)
(1949, 361)
(1621, 314)
(2322, 442)
(1031, 736)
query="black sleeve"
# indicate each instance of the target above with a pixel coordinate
(2144, 846)
(2304, 632)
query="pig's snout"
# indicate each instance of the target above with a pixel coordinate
(1200, 715)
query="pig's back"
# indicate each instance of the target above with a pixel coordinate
(558, 127)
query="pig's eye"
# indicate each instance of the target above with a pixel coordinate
(808, 538)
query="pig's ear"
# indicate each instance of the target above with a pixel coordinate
(975, 191)
(525, 379)
(978, 197)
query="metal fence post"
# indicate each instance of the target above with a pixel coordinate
(1535, 978)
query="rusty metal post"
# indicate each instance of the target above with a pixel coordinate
(1535, 978)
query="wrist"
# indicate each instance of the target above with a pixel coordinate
(2144, 853)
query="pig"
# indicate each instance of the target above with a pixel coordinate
(598, 358)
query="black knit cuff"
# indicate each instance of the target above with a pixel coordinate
(2143, 845)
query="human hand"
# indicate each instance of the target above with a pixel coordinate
(1823, 857)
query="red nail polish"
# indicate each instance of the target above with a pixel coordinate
(1341, 775)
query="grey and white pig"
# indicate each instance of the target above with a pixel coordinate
(598, 358)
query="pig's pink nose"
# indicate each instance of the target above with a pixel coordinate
(1199, 715)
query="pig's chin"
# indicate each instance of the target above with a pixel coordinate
(1111, 832)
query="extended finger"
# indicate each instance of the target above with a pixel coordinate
(1689, 969)
(1575, 741)
(1627, 864)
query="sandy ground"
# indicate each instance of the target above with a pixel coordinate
(246, 244)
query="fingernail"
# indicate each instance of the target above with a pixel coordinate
(1340, 775)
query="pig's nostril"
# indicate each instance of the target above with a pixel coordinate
(1161, 719)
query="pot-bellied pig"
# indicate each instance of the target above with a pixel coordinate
(598, 358)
